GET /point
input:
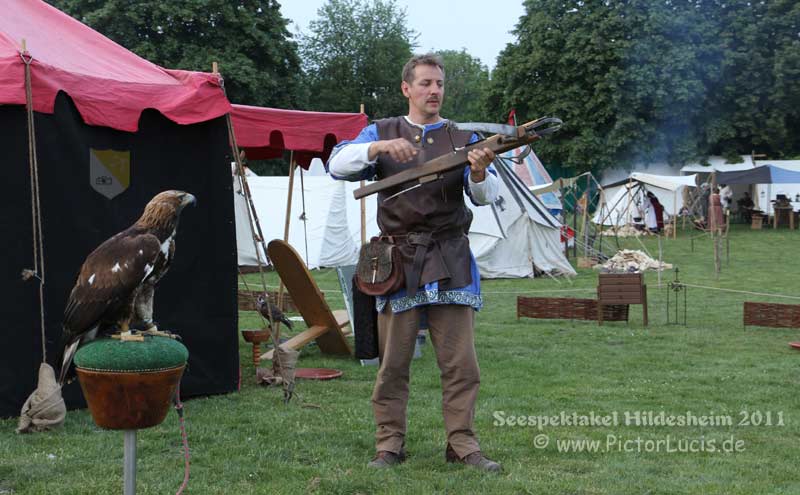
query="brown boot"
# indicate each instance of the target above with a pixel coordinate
(386, 459)
(475, 459)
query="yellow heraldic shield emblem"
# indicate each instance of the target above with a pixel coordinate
(109, 171)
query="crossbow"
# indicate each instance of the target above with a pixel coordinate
(507, 138)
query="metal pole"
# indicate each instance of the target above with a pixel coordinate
(129, 463)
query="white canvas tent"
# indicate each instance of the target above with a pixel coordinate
(331, 232)
(507, 238)
(622, 200)
(516, 233)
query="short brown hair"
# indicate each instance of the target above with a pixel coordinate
(427, 59)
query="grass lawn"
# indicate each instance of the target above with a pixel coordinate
(250, 442)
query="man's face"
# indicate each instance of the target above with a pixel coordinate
(425, 93)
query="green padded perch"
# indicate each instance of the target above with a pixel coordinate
(128, 384)
(154, 354)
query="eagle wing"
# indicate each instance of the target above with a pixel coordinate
(108, 281)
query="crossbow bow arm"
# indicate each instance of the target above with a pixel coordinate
(433, 169)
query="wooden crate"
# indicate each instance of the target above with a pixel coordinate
(772, 315)
(565, 308)
(622, 288)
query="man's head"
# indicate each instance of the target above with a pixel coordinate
(423, 85)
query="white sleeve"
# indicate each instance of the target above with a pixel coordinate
(485, 192)
(350, 160)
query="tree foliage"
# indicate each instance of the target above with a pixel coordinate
(642, 81)
(248, 38)
(354, 53)
(466, 81)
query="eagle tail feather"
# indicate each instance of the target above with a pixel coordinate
(66, 360)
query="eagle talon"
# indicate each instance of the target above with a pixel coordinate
(155, 332)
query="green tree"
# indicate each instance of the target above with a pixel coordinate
(249, 39)
(756, 104)
(466, 83)
(354, 54)
(639, 81)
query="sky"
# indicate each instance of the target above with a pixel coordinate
(482, 28)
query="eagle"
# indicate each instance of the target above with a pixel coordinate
(115, 286)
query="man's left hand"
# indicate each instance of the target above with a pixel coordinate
(479, 161)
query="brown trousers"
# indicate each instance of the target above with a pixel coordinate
(451, 330)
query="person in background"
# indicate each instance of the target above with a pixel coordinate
(746, 205)
(429, 226)
(726, 196)
(716, 216)
(654, 213)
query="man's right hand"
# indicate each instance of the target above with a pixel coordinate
(400, 149)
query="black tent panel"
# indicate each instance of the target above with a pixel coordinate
(197, 297)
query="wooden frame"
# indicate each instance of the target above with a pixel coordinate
(771, 315)
(247, 300)
(565, 308)
(621, 288)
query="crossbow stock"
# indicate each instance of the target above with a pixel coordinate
(513, 137)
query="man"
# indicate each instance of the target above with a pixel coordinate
(746, 206)
(429, 226)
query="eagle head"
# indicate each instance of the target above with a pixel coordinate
(164, 209)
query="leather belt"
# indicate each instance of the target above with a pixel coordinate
(422, 241)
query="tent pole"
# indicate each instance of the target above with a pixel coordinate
(287, 221)
(252, 215)
(585, 214)
(363, 202)
(660, 260)
(575, 232)
(675, 214)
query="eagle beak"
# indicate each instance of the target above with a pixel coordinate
(188, 199)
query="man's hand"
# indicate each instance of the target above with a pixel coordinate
(479, 161)
(399, 149)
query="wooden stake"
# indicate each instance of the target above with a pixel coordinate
(214, 68)
(675, 216)
(584, 223)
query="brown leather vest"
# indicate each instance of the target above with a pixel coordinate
(435, 207)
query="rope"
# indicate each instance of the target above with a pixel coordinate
(253, 219)
(536, 291)
(681, 284)
(303, 215)
(36, 208)
(184, 440)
